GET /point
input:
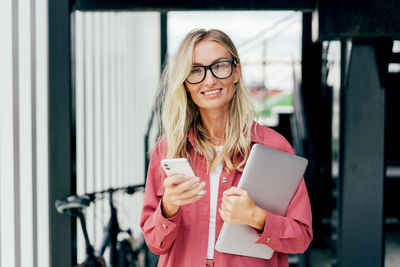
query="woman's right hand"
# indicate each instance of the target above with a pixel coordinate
(179, 193)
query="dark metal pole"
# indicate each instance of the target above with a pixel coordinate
(362, 160)
(164, 36)
(60, 125)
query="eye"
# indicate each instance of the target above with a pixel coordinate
(221, 65)
(195, 71)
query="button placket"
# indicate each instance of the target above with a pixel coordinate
(224, 179)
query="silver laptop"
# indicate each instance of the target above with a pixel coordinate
(271, 178)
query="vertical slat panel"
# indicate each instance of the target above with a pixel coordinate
(33, 136)
(7, 241)
(112, 98)
(16, 131)
(89, 112)
(122, 110)
(106, 55)
(119, 77)
(118, 84)
(97, 134)
(80, 119)
(25, 134)
(41, 100)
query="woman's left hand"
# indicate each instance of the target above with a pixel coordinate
(237, 207)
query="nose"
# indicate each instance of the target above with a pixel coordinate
(209, 79)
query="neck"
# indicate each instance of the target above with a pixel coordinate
(215, 123)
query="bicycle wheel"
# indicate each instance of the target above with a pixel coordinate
(127, 257)
(98, 261)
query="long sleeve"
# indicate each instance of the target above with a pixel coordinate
(292, 233)
(159, 232)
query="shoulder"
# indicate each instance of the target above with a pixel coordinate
(161, 147)
(268, 137)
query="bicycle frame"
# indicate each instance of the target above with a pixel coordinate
(74, 206)
(111, 233)
(92, 260)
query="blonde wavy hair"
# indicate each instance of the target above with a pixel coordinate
(180, 113)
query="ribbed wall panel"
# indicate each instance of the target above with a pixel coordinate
(24, 228)
(117, 73)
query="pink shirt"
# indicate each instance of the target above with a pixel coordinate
(182, 240)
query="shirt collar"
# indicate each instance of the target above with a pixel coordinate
(256, 134)
(191, 136)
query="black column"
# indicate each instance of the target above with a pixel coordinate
(164, 37)
(361, 167)
(316, 100)
(60, 129)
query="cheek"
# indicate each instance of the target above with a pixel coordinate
(191, 93)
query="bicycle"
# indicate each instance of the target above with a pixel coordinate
(124, 253)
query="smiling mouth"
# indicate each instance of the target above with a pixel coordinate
(211, 92)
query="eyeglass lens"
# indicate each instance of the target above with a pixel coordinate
(220, 70)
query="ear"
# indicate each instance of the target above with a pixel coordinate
(236, 73)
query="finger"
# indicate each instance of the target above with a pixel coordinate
(173, 180)
(201, 189)
(193, 190)
(191, 199)
(233, 191)
(226, 206)
(226, 198)
(222, 214)
(224, 201)
(223, 208)
(231, 199)
(189, 183)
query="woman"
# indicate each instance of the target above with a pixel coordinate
(208, 119)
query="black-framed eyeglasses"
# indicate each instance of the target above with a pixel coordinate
(220, 70)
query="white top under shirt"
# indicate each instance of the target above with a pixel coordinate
(214, 182)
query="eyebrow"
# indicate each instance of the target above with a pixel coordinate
(215, 60)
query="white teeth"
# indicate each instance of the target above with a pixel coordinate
(211, 92)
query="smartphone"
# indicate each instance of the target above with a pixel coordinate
(179, 166)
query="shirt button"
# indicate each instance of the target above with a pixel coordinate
(164, 226)
(224, 179)
(268, 239)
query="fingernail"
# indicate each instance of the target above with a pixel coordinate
(202, 192)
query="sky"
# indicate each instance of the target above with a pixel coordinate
(274, 35)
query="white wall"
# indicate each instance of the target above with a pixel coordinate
(23, 134)
(117, 73)
(117, 67)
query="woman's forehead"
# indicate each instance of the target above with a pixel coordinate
(207, 51)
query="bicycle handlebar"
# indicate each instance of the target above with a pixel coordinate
(84, 200)
(130, 189)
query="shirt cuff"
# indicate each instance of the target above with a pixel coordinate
(271, 231)
(166, 225)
